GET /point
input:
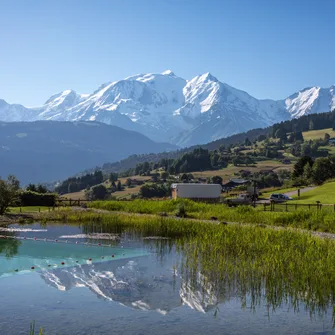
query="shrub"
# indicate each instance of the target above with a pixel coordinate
(181, 211)
(29, 198)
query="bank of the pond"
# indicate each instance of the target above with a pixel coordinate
(155, 222)
(288, 263)
(323, 221)
(15, 218)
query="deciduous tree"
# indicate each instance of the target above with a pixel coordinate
(9, 191)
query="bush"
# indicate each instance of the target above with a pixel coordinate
(181, 211)
(153, 191)
(29, 198)
(98, 192)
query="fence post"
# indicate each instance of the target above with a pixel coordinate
(318, 205)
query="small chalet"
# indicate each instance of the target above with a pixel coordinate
(234, 182)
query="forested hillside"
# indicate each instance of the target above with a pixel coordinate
(296, 126)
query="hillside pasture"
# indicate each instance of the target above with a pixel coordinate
(231, 171)
(125, 193)
(324, 193)
(317, 134)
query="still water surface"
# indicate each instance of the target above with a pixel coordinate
(129, 285)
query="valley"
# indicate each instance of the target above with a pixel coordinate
(137, 200)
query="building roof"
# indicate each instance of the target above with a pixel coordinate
(239, 181)
(193, 184)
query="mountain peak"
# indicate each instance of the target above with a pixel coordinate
(165, 107)
(168, 73)
(208, 77)
(61, 95)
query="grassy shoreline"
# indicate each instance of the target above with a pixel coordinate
(323, 221)
(100, 211)
(248, 258)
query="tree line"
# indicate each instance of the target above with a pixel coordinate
(313, 171)
(11, 194)
(76, 184)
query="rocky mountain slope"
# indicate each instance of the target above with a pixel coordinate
(168, 108)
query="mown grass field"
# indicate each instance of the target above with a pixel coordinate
(324, 193)
(28, 209)
(318, 134)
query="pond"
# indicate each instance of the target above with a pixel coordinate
(86, 279)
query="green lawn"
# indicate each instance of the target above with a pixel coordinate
(324, 193)
(28, 209)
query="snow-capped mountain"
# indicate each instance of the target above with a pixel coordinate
(168, 108)
(136, 283)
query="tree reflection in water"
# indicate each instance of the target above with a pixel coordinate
(9, 245)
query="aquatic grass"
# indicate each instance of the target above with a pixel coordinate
(119, 222)
(256, 263)
(322, 220)
(32, 329)
(283, 266)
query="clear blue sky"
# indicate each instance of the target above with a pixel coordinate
(269, 48)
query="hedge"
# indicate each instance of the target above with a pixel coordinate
(29, 198)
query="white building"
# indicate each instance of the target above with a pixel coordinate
(196, 191)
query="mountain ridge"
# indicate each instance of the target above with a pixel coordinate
(42, 151)
(168, 108)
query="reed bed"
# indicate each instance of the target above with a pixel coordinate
(253, 262)
(280, 266)
(323, 221)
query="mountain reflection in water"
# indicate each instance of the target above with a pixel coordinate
(162, 275)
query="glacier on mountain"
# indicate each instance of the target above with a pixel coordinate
(168, 108)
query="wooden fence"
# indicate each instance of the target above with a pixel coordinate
(288, 207)
(71, 202)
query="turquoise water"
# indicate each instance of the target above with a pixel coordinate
(38, 255)
(141, 290)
